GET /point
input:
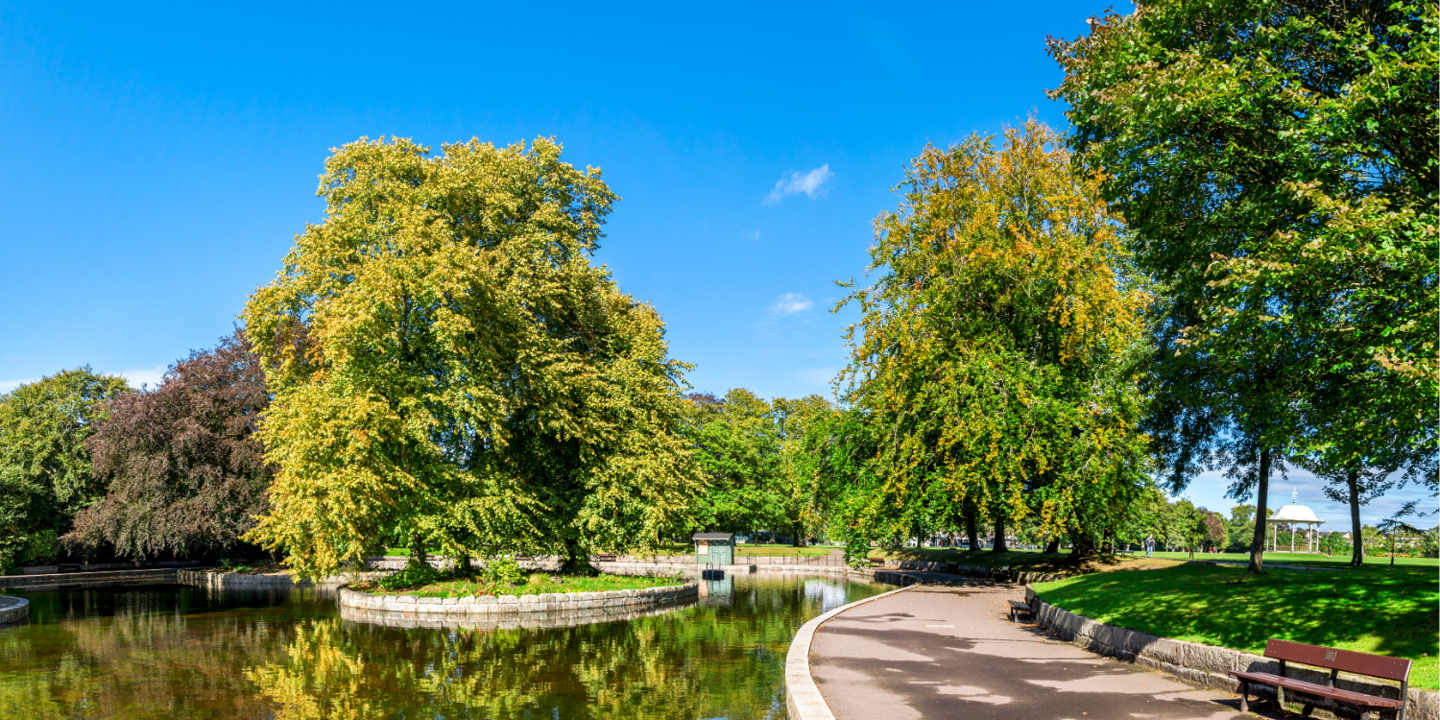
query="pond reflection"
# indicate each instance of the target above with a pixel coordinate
(177, 652)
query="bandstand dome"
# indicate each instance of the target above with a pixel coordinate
(1294, 514)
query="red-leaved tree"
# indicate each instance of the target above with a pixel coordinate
(185, 470)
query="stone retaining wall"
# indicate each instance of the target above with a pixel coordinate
(76, 581)
(555, 603)
(277, 581)
(14, 610)
(1210, 666)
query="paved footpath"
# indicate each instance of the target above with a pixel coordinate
(951, 652)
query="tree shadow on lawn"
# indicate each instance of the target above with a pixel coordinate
(1064, 563)
(1376, 610)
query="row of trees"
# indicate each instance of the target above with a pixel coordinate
(89, 464)
(1228, 262)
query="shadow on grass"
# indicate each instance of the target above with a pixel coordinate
(1030, 561)
(1371, 609)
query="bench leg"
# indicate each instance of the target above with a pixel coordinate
(1365, 715)
(1244, 701)
(1280, 699)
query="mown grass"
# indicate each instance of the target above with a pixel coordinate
(1370, 609)
(534, 584)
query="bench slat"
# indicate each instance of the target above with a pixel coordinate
(1344, 660)
(1310, 688)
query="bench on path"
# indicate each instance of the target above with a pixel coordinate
(1334, 660)
(604, 558)
(1018, 608)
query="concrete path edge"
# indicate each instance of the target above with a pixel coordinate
(802, 695)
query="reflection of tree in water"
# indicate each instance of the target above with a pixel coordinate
(144, 656)
(693, 663)
(179, 655)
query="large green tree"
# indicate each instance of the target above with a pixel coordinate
(448, 366)
(45, 466)
(737, 447)
(1277, 162)
(995, 354)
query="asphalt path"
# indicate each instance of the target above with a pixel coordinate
(950, 651)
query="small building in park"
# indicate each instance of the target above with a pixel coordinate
(1294, 515)
(714, 548)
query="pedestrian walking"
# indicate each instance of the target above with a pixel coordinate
(1149, 546)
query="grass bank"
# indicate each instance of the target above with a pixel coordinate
(1370, 609)
(533, 584)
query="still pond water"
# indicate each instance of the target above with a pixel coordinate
(182, 652)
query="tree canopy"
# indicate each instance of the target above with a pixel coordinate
(1277, 164)
(45, 466)
(994, 358)
(183, 468)
(448, 367)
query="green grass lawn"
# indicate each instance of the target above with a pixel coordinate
(535, 584)
(1370, 609)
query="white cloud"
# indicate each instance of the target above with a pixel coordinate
(144, 376)
(752, 235)
(791, 303)
(8, 385)
(797, 182)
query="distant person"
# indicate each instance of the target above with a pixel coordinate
(1149, 546)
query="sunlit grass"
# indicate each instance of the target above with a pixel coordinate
(1370, 609)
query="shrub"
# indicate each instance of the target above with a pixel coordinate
(414, 575)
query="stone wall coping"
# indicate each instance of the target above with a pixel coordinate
(529, 603)
(16, 612)
(1208, 665)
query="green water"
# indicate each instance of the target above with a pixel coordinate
(181, 652)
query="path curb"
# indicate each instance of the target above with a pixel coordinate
(802, 696)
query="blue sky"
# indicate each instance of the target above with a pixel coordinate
(157, 162)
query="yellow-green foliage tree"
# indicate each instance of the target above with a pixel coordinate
(995, 356)
(449, 368)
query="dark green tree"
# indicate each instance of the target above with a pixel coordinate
(45, 467)
(1277, 162)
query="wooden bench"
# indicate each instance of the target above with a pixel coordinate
(1334, 660)
(1018, 608)
(604, 558)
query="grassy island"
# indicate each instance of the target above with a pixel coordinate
(533, 583)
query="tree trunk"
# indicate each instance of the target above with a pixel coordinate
(798, 530)
(418, 557)
(1084, 546)
(1357, 550)
(1000, 545)
(972, 529)
(576, 560)
(1257, 542)
(1053, 546)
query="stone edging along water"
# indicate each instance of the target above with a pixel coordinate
(1207, 665)
(14, 610)
(277, 581)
